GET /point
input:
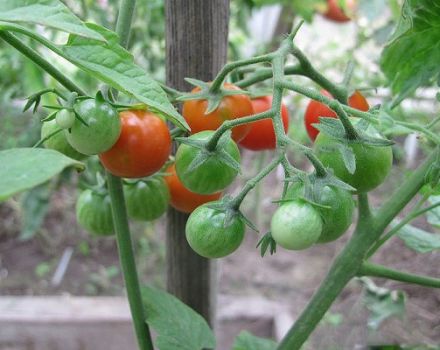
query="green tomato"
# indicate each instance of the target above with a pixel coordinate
(296, 225)
(208, 236)
(211, 176)
(147, 200)
(373, 163)
(102, 130)
(338, 215)
(94, 213)
(58, 142)
(65, 119)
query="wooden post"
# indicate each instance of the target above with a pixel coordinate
(196, 43)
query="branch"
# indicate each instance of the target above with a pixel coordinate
(373, 270)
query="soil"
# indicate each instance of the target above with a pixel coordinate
(290, 278)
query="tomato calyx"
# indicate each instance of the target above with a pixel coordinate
(267, 243)
(213, 97)
(204, 153)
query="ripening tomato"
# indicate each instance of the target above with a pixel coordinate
(262, 133)
(143, 147)
(230, 107)
(336, 13)
(183, 199)
(317, 109)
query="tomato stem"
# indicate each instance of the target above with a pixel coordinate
(350, 131)
(374, 270)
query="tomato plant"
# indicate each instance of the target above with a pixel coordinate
(65, 119)
(373, 163)
(100, 131)
(210, 235)
(94, 213)
(230, 107)
(296, 225)
(213, 174)
(147, 199)
(336, 209)
(58, 142)
(262, 134)
(183, 199)
(336, 13)
(317, 109)
(142, 148)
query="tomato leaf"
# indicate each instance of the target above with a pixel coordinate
(178, 327)
(248, 341)
(26, 168)
(434, 214)
(418, 240)
(412, 56)
(382, 303)
(114, 65)
(49, 13)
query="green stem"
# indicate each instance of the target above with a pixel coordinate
(128, 264)
(364, 207)
(253, 182)
(424, 130)
(319, 167)
(339, 92)
(350, 131)
(123, 24)
(267, 73)
(397, 228)
(373, 270)
(41, 62)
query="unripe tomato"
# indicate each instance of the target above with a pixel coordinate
(58, 142)
(208, 235)
(231, 107)
(183, 199)
(102, 129)
(336, 13)
(336, 211)
(147, 200)
(262, 133)
(317, 109)
(373, 163)
(94, 213)
(65, 119)
(142, 148)
(211, 176)
(296, 225)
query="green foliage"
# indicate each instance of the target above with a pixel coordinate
(382, 303)
(29, 167)
(412, 57)
(419, 240)
(177, 325)
(50, 13)
(434, 214)
(248, 341)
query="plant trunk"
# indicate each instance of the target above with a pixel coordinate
(196, 44)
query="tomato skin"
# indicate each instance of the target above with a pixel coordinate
(65, 119)
(337, 217)
(231, 107)
(183, 199)
(317, 109)
(207, 235)
(336, 14)
(210, 177)
(58, 142)
(262, 134)
(147, 200)
(142, 148)
(373, 163)
(296, 225)
(102, 131)
(94, 213)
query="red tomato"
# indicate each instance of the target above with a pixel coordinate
(231, 107)
(143, 147)
(317, 109)
(183, 199)
(262, 133)
(336, 13)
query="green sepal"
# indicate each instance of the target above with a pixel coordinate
(201, 157)
(267, 242)
(348, 157)
(330, 126)
(248, 222)
(200, 144)
(50, 117)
